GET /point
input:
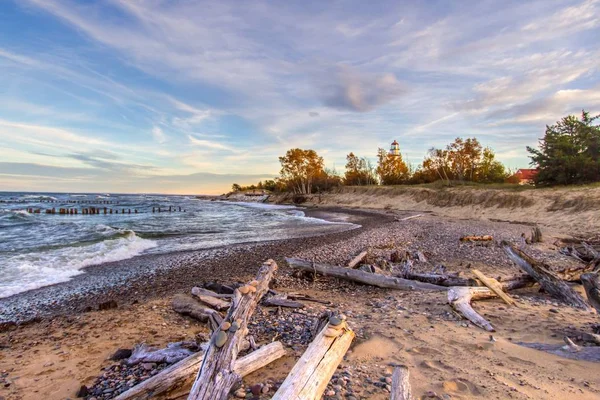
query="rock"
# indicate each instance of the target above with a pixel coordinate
(82, 392)
(256, 389)
(187, 305)
(121, 354)
(107, 305)
(240, 393)
(554, 310)
(148, 366)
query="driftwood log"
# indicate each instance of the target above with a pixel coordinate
(189, 306)
(356, 260)
(361, 276)
(547, 279)
(591, 284)
(446, 280)
(217, 374)
(400, 384)
(570, 350)
(207, 297)
(178, 375)
(309, 377)
(460, 299)
(495, 287)
(281, 301)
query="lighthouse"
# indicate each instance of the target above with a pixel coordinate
(395, 148)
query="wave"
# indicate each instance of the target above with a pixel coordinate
(34, 270)
(78, 195)
(37, 197)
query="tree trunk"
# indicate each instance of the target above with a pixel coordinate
(360, 276)
(548, 280)
(460, 299)
(179, 375)
(400, 384)
(311, 374)
(591, 284)
(217, 373)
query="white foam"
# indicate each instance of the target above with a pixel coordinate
(37, 197)
(34, 270)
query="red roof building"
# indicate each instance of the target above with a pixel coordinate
(526, 176)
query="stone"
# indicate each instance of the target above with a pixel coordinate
(82, 392)
(220, 339)
(121, 354)
(240, 393)
(256, 389)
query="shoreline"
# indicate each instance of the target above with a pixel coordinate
(148, 276)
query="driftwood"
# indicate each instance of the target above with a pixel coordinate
(356, 260)
(570, 350)
(298, 296)
(472, 238)
(213, 301)
(547, 279)
(433, 278)
(173, 353)
(217, 373)
(591, 284)
(516, 282)
(581, 336)
(205, 292)
(178, 375)
(308, 379)
(494, 286)
(460, 299)
(281, 301)
(360, 276)
(410, 217)
(400, 384)
(189, 306)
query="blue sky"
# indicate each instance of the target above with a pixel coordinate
(191, 96)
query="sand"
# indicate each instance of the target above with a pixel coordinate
(53, 357)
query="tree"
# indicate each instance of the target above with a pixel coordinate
(569, 152)
(299, 169)
(392, 169)
(236, 188)
(490, 170)
(359, 171)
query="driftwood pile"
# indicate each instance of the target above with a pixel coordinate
(463, 290)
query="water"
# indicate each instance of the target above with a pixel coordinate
(40, 249)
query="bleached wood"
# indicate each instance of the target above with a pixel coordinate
(460, 298)
(411, 217)
(217, 373)
(180, 374)
(361, 276)
(210, 300)
(354, 262)
(311, 374)
(206, 292)
(400, 384)
(495, 287)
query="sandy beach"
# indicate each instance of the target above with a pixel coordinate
(67, 341)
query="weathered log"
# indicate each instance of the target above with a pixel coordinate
(547, 279)
(495, 287)
(516, 282)
(217, 373)
(308, 379)
(281, 301)
(460, 299)
(356, 260)
(179, 375)
(210, 300)
(410, 217)
(401, 384)
(360, 276)
(536, 234)
(187, 305)
(438, 279)
(591, 284)
(205, 292)
(570, 350)
(473, 238)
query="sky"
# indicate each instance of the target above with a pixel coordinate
(191, 96)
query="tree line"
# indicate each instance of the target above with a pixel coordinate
(569, 153)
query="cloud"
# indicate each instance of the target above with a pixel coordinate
(159, 135)
(350, 90)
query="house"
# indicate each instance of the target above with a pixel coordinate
(525, 176)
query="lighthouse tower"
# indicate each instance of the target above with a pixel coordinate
(395, 149)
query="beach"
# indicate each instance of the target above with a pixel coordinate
(68, 341)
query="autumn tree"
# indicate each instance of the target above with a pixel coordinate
(569, 152)
(359, 171)
(462, 160)
(391, 169)
(299, 168)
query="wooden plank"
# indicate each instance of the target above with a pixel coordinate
(309, 377)
(354, 262)
(179, 375)
(495, 287)
(217, 373)
(400, 384)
